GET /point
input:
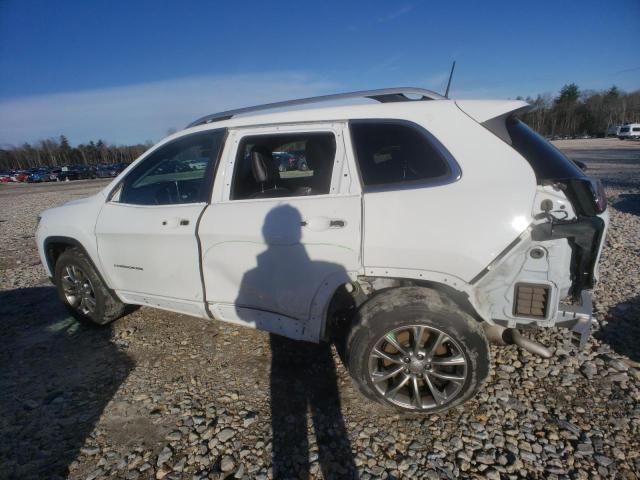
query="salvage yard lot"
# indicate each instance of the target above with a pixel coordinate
(161, 395)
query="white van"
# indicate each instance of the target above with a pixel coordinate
(628, 131)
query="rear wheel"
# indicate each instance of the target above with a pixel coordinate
(415, 350)
(83, 292)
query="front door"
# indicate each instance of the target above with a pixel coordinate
(284, 232)
(146, 232)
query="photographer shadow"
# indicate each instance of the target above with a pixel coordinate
(303, 375)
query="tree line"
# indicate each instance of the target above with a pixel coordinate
(572, 112)
(54, 152)
(577, 112)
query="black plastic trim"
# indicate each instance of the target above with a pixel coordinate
(201, 263)
(584, 235)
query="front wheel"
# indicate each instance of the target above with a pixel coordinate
(415, 350)
(82, 291)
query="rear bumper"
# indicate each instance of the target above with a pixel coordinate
(577, 317)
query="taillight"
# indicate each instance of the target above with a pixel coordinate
(599, 195)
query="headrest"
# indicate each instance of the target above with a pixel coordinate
(262, 166)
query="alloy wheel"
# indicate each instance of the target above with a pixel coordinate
(78, 290)
(418, 367)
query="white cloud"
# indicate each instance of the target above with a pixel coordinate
(135, 113)
(395, 14)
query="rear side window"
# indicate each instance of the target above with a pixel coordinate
(394, 152)
(547, 161)
(636, 129)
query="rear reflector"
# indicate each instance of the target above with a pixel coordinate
(531, 300)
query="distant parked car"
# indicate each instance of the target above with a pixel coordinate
(39, 175)
(19, 175)
(290, 161)
(113, 170)
(53, 174)
(629, 131)
(118, 168)
(5, 177)
(77, 172)
(105, 171)
(612, 131)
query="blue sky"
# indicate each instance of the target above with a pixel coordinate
(127, 71)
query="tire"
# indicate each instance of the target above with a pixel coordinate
(92, 302)
(446, 333)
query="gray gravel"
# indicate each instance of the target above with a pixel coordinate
(160, 395)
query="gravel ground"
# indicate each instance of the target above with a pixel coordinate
(161, 395)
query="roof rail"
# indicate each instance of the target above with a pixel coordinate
(383, 95)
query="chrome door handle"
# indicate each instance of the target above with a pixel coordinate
(336, 224)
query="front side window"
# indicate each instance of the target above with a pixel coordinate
(392, 152)
(624, 130)
(284, 165)
(178, 172)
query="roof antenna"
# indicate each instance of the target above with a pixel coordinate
(446, 93)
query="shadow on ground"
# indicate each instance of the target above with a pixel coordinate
(303, 378)
(56, 377)
(622, 331)
(628, 203)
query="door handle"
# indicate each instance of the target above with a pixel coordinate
(319, 224)
(174, 222)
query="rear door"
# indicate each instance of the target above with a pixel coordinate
(146, 232)
(275, 248)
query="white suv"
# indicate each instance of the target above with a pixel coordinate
(420, 229)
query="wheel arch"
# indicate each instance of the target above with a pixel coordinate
(402, 307)
(364, 290)
(55, 245)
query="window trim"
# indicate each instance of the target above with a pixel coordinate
(454, 175)
(209, 174)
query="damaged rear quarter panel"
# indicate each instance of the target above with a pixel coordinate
(493, 295)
